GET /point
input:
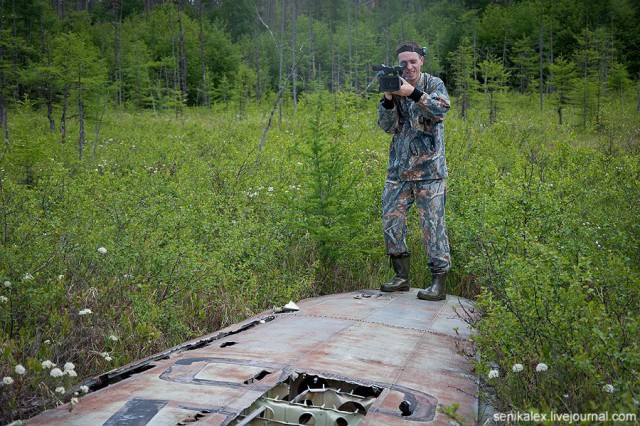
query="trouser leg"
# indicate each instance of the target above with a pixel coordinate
(397, 198)
(430, 199)
(430, 202)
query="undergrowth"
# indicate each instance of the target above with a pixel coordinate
(175, 226)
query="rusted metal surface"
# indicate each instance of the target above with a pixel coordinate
(345, 359)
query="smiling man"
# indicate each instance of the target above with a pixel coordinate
(416, 172)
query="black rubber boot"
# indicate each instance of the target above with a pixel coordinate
(436, 291)
(400, 282)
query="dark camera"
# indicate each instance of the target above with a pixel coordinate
(389, 77)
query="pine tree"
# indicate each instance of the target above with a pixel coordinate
(464, 71)
(562, 81)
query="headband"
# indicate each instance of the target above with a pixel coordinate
(422, 51)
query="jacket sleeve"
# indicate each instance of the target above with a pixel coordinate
(387, 117)
(438, 102)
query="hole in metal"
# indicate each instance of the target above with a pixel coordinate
(307, 419)
(310, 400)
(261, 375)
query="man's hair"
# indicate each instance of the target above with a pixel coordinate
(410, 46)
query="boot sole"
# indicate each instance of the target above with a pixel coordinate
(391, 290)
(432, 299)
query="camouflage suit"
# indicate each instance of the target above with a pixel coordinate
(416, 171)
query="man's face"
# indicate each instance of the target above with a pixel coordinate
(414, 62)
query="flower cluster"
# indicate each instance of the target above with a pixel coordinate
(541, 367)
(69, 369)
(494, 373)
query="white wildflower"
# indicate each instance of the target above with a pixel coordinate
(20, 370)
(4, 299)
(108, 358)
(27, 277)
(60, 390)
(84, 389)
(60, 277)
(71, 373)
(493, 374)
(102, 250)
(7, 284)
(542, 367)
(517, 368)
(47, 363)
(7, 380)
(73, 401)
(608, 388)
(85, 311)
(113, 338)
(56, 372)
(270, 189)
(69, 366)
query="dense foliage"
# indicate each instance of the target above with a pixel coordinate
(149, 194)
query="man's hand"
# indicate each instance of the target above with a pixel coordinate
(405, 89)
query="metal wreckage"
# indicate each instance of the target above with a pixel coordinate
(360, 358)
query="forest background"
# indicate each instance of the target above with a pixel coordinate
(170, 168)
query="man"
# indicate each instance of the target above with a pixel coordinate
(416, 171)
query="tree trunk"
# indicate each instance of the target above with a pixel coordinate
(294, 72)
(63, 117)
(183, 59)
(387, 36)
(3, 117)
(560, 115)
(3, 106)
(204, 98)
(335, 82)
(80, 119)
(280, 79)
(541, 62)
(312, 45)
(117, 61)
(349, 41)
(98, 127)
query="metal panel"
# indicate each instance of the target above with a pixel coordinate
(394, 347)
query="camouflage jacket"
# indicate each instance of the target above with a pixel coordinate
(417, 147)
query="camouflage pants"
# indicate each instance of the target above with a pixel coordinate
(429, 197)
